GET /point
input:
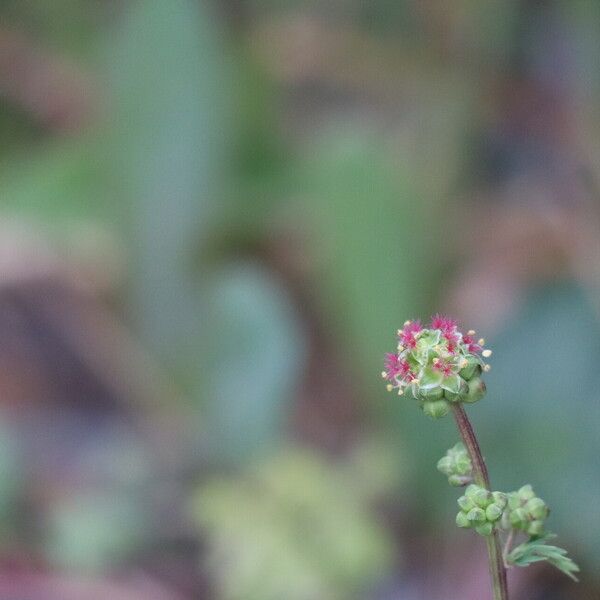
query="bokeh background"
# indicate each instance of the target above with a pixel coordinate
(213, 218)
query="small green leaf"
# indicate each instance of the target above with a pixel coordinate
(536, 550)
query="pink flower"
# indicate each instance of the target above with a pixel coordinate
(452, 339)
(397, 367)
(470, 343)
(407, 334)
(445, 324)
(444, 367)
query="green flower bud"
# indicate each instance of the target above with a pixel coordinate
(446, 465)
(526, 512)
(459, 480)
(471, 490)
(537, 508)
(456, 465)
(480, 509)
(526, 492)
(485, 529)
(463, 464)
(457, 393)
(518, 518)
(476, 390)
(482, 498)
(431, 394)
(500, 499)
(465, 504)
(462, 521)
(535, 528)
(437, 409)
(514, 501)
(493, 512)
(476, 514)
(472, 369)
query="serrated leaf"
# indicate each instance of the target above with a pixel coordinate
(536, 550)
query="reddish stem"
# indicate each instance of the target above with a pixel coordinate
(481, 478)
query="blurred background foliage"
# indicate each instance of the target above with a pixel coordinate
(214, 216)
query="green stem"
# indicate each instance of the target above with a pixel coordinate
(481, 478)
(507, 548)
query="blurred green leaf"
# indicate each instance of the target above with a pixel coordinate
(166, 71)
(257, 356)
(374, 236)
(59, 184)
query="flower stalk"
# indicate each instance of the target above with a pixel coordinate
(442, 368)
(481, 478)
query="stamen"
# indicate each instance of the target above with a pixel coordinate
(486, 353)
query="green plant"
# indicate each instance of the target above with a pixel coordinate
(442, 368)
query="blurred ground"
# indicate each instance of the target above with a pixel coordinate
(214, 217)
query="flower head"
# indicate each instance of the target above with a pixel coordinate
(480, 509)
(526, 512)
(439, 364)
(456, 465)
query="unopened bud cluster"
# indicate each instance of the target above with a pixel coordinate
(526, 512)
(480, 509)
(456, 465)
(438, 364)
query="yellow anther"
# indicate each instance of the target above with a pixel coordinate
(486, 353)
(481, 341)
(389, 387)
(383, 375)
(399, 332)
(487, 368)
(464, 363)
(400, 392)
(400, 348)
(471, 332)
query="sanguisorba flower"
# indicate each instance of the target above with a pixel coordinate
(439, 364)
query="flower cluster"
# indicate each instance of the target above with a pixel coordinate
(456, 465)
(526, 512)
(480, 509)
(438, 363)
